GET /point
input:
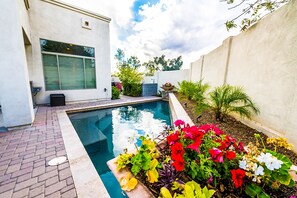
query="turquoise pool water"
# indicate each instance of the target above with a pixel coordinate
(106, 133)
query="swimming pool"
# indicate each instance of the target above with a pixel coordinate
(105, 133)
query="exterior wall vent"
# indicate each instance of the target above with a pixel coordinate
(86, 24)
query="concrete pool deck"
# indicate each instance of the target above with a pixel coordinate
(25, 152)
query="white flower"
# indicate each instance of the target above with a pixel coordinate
(259, 170)
(273, 164)
(243, 164)
(263, 157)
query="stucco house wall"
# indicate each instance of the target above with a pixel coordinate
(65, 25)
(24, 23)
(15, 97)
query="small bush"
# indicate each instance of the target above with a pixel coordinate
(226, 99)
(115, 92)
(196, 92)
(132, 89)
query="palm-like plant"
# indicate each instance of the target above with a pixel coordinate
(226, 99)
(196, 92)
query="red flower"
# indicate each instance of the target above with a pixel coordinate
(193, 133)
(240, 147)
(172, 138)
(230, 155)
(211, 127)
(179, 164)
(237, 177)
(195, 145)
(178, 123)
(228, 141)
(216, 155)
(177, 151)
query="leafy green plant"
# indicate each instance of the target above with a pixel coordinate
(131, 80)
(132, 89)
(265, 167)
(252, 10)
(226, 99)
(144, 160)
(196, 92)
(115, 93)
(190, 190)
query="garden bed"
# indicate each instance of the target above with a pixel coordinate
(241, 132)
(230, 126)
(219, 160)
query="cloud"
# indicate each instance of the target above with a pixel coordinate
(172, 27)
(178, 27)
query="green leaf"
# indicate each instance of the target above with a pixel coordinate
(264, 195)
(135, 169)
(285, 179)
(164, 193)
(292, 183)
(253, 190)
(208, 193)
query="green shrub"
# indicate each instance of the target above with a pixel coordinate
(226, 99)
(196, 92)
(132, 89)
(115, 93)
(131, 81)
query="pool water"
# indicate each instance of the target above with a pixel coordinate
(106, 133)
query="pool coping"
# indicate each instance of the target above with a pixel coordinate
(86, 179)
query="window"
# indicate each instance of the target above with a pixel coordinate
(68, 66)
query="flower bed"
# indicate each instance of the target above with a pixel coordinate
(203, 161)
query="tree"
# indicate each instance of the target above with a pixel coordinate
(161, 63)
(128, 73)
(174, 64)
(151, 67)
(226, 99)
(120, 56)
(253, 10)
(132, 61)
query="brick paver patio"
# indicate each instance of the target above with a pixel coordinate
(24, 154)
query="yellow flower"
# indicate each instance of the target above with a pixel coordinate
(127, 183)
(279, 142)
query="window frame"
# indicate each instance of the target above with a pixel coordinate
(58, 67)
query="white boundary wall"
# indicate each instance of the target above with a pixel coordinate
(173, 77)
(263, 60)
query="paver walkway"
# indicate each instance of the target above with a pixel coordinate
(24, 154)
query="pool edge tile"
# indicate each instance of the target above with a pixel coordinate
(86, 179)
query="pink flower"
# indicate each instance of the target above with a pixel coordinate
(216, 155)
(178, 123)
(240, 147)
(193, 133)
(211, 127)
(195, 145)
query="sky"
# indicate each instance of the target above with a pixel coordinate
(149, 28)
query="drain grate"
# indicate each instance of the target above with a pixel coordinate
(56, 161)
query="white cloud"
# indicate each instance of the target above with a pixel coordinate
(172, 27)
